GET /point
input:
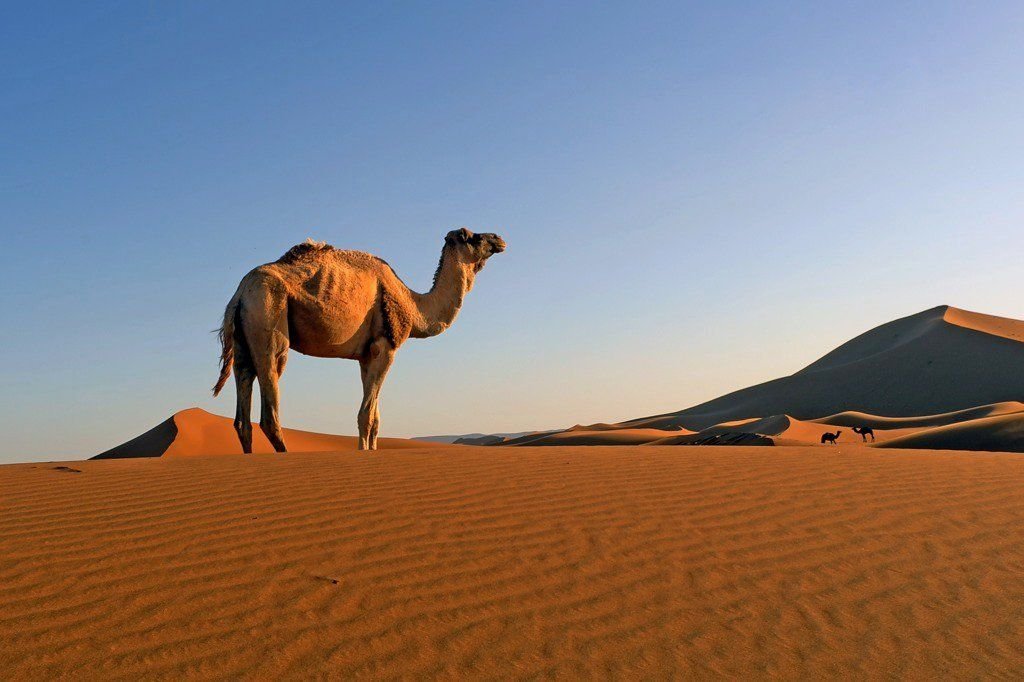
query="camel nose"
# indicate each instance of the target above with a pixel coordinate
(497, 243)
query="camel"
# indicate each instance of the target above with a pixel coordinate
(329, 303)
(864, 432)
(830, 437)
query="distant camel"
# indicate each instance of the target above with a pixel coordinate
(830, 437)
(864, 432)
(329, 303)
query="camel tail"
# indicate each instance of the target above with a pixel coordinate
(226, 336)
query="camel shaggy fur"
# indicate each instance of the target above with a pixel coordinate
(330, 303)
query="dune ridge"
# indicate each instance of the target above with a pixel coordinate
(1000, 433)
(853, 418)
(463, 562)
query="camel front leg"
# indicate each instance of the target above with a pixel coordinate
(373, 368)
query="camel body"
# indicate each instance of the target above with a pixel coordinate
(332, 303)
(864, 432)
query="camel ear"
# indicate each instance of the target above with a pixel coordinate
(461, 235)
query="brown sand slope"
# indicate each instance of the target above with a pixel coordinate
(939, 360)
(194, 432)
(577, 436)
(851, 418)
(990, 324)
(1003, 433)
(491, 563)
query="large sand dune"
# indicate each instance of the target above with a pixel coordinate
(936, 361)
(939, 367)
(482, 563)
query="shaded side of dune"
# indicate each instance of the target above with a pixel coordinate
(720, 438)
(479, 440)
(152, 443)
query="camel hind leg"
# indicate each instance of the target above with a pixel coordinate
(245, 375)
(265, 322)
(270, 419)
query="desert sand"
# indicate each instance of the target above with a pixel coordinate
(516, 562)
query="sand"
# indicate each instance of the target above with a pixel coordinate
(490, 563)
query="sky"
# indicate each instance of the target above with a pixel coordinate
(696, 196)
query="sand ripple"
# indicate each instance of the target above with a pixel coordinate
(495, 563)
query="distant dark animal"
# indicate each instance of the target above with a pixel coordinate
(830, 437)
(864, 432)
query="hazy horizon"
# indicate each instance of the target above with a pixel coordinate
(695, 199)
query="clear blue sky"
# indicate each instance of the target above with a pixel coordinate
(696, 196)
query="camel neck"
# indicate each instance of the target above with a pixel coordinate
(439, 307)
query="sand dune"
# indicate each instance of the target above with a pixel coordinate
(938, 367)
(937, 361)
(781, 429)
(851, 418)
(778, 430)
(194, 432)
(484, 563)
(599, 437)
(1002, 433)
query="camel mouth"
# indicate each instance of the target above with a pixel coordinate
(497, 244)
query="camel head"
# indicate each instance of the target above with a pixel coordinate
(473, 249)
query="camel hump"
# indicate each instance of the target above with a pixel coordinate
(305, 250)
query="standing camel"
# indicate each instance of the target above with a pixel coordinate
(827, 437)
(329, 303)
(864, 432)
